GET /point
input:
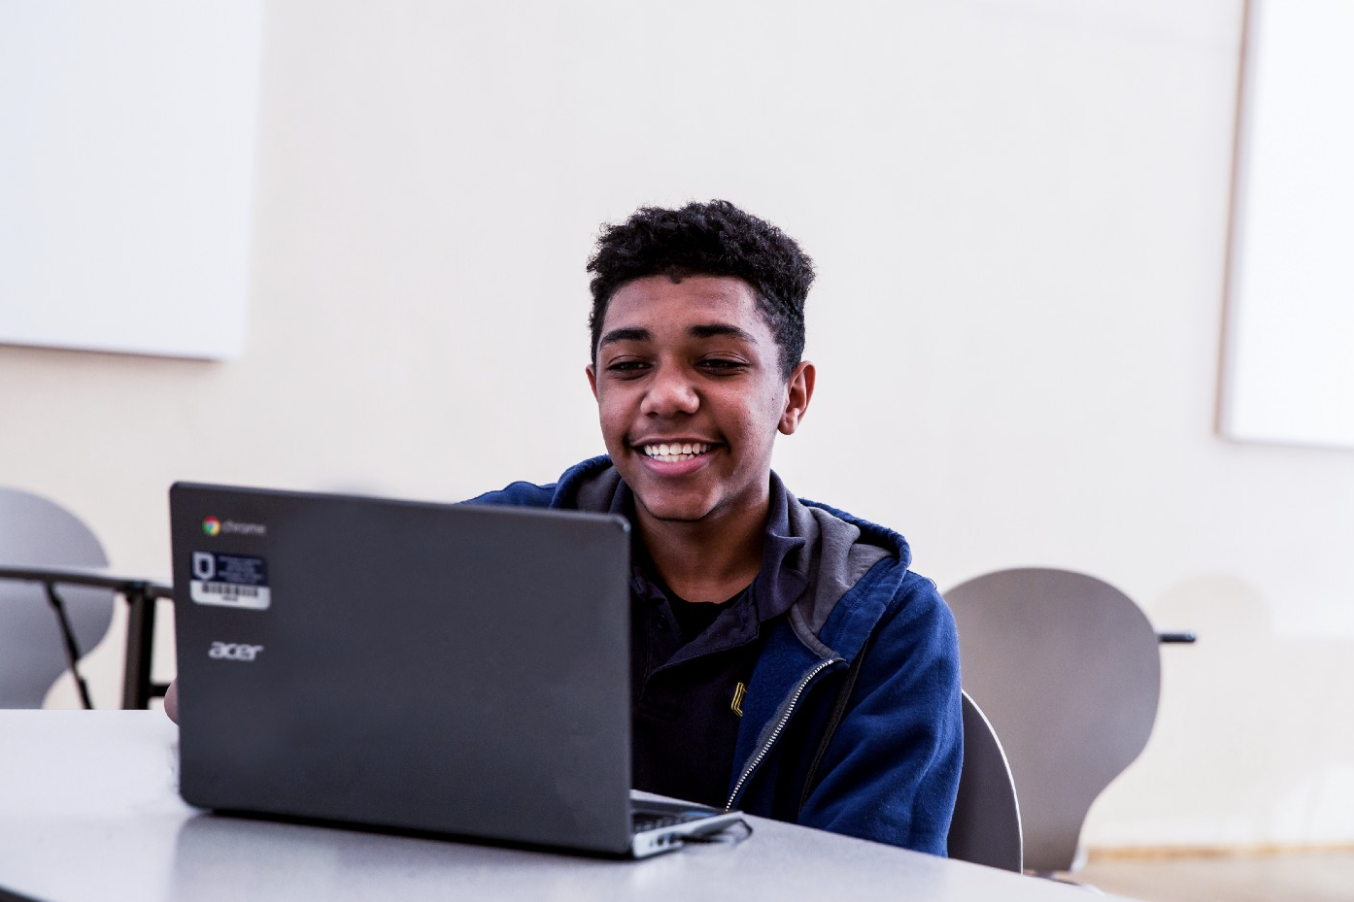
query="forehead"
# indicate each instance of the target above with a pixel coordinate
(657, 303)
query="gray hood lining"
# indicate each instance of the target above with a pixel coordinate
(832, 559)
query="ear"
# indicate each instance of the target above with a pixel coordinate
(592, 379)
(799, 390)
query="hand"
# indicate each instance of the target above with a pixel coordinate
(172, 701)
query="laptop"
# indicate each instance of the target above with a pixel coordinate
(441, 669)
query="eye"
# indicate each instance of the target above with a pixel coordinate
(722, 365)
(627, 368)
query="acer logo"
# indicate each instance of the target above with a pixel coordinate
(231, 651)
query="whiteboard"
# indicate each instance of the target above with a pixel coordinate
(127, 173)
(1289, 361)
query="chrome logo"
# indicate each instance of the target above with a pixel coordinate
(211, 526)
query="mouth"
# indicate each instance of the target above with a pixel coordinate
(674, 452)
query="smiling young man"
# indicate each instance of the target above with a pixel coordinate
(785, 659)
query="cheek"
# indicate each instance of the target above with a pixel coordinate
(612, 418)
(765, 418)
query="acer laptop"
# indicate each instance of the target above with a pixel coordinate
(448, 669)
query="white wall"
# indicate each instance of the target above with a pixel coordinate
(1019, 213)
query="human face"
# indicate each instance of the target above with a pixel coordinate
(690, 396)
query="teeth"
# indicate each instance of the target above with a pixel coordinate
(672, 452)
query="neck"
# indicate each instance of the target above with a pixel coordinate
(706, 561)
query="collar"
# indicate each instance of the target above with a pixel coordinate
(777, 585)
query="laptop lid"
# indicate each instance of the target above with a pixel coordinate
(449, 668)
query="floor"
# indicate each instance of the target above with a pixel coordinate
(1270, 877)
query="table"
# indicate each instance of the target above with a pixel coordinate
(89, 810)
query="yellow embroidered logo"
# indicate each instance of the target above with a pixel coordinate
(737, 705)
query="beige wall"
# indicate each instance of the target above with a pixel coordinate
(1019, 214)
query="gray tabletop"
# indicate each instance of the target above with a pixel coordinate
(89, 810)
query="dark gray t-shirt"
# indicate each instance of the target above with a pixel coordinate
(692, 661)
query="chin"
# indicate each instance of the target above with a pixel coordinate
(674, 510)
(677, 513)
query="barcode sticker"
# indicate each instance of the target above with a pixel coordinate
(231, 580)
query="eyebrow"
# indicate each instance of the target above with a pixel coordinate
(625, 335)
(703, 330)
(713, 330)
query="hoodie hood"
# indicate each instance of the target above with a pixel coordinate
(836, 553)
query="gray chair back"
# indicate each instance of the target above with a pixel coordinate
(40, 533)
(986, 824)
(1069, 674)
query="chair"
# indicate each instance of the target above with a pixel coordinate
(36, 532)
(986, 824)
(1069, 672)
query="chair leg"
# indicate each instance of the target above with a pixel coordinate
(136, 685)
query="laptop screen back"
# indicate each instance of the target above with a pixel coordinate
(445, 668)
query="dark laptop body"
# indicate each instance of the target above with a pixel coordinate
(452, 669)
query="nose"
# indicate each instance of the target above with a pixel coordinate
(670, 392)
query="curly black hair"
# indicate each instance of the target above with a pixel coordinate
(711, 239)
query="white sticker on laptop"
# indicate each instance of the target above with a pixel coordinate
(230, 580)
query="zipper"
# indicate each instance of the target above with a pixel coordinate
(780, 726)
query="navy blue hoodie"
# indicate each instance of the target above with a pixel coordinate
(890, 770)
